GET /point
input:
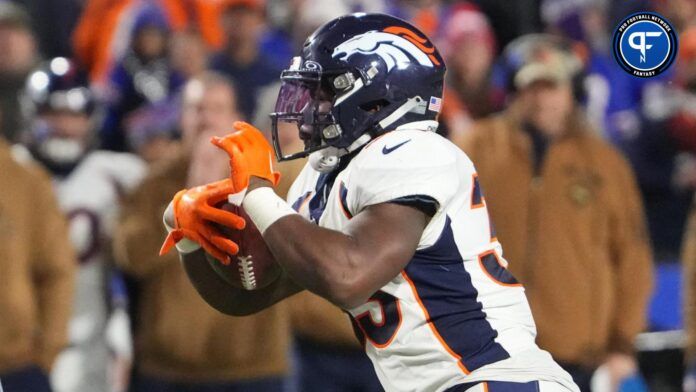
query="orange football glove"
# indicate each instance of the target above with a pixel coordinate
(250, 155)
(194, 212)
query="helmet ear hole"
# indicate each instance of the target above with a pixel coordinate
(374, 106)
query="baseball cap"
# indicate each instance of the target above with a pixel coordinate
(549, 69)
(543, 59)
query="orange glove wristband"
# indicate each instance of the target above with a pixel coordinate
(194, 215)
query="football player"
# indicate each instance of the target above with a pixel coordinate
(89, 184)
(387, 220)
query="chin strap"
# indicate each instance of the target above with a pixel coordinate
(326, 160)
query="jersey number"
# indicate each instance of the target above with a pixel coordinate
(496, 270)
(85, 233)
(378, 319)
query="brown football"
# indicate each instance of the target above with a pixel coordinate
(254, 266)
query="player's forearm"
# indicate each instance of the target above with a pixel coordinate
(326, 262)
(228, 299)
(346, 266)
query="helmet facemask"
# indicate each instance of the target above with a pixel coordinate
(310, 99)
(305, 107)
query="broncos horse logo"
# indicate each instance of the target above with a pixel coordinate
(395, 45)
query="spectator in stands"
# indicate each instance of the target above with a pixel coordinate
(19, 56)
(468, 45)
(188, 54)
(612, 98)
(143, 76)
(181, 342)
(567, 209)
(38, 267)
(250, 69)
(152, 131)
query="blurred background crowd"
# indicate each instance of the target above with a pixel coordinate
(106, 109)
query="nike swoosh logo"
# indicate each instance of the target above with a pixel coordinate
(386, 150)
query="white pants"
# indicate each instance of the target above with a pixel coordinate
(82, 368)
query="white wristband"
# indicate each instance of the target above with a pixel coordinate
(264, 207)
(185, 245)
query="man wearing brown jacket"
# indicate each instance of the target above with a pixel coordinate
(181, 342)
(567, 210)
(37, 267)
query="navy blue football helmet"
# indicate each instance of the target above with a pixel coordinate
(358, 76)
(59, 84)
(58, 88)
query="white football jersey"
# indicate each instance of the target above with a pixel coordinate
(89, 196)
(454, 315)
